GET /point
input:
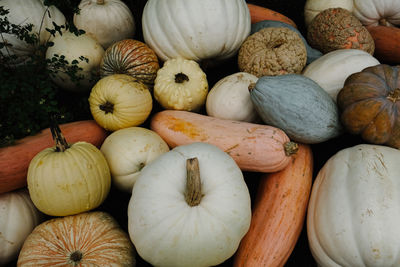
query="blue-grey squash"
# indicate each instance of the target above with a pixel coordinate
(297, 105)
(312, 54)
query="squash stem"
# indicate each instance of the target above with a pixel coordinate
(58, 137)
(290, 148)
(394, 96)
(193, 193)
(100, 2)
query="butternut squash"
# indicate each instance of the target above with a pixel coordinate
(15, 159)
(387, 43)
(278, 214)
(259, 13)
(254, 147)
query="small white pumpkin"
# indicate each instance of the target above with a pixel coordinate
(313, 7)
(180, 217)
(230, 99)
(128, 150)
(331, 70)
(18, 217)
(377, 12)
(108, 21)
(181, 85)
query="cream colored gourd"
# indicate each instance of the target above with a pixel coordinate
(108, 21)
(18, 217)
(230, 99)
(177, 221)
(196, 30)
(331, 70)
(24, 12)
(73, 47)
(128, 150)
(181, 85)
(353, 213)
(377, 12)
(313, 7)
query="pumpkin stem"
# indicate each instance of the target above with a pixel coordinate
(100, 2)
(58, 137)
(252, 86)
(181, 77)
(290, 148)
(394, 95)
(107, 107)
(383, 22)
(75, 257)
(193, 193)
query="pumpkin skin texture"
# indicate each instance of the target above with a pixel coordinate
(369, 103)
(18, 217)
(206, 30)
(338, 28)
(312, 118)
(387, 43)
(168, 231)
(108, 21)
(130, 57)
(353, 212)
(85, 239)
(128, 150)
(119, 101)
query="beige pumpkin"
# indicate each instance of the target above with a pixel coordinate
(86, 239)
(313, 7)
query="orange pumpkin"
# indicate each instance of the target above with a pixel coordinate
(387, 43)
(369, 104)
(260, 13)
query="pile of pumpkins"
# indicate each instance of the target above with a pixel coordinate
(181, 146)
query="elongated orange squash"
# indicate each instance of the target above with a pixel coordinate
(278, 214)
(15, 159)
(387, 43)
(259, 13)
(254, 147)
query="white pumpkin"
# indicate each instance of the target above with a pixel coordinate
(128, 150)
(108, 21)
(73, 47)
(18, 217)
(354, 214)
(197, 30)
(331, 70)
(377, 12)
(313, 7)
(175, 219)
(24, 12)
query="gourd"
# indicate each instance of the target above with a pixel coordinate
(128, 150)
(260, 13)
(331, 70)
(353, 212)
(207, 30)
(374, 12)
(229, 98)
(119, 101)
(368, 104)
(387, 43)
(312, 118)
(86, 239)
(15, 159)
(130, 57)
(68, 179)
(313, 7)
(108, 21)
(181, 84)
(189, 207)
(18, 218)
(278, 213)
(254, 147)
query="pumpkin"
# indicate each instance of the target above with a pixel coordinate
(130, 57)
(314, 7)
(272, 51)
(353, 212)
(68, 178)
(375, 12)
(338, 28)
(312, 118)
(229, 98)
(278, 213)
(128, 150)
(189, 207)
(387, 43)
(259, 13)
(15, 159)
(368, 104)
(331, 70)
(181, 84)
(254, 147)
(108, 21)
(22, 13)
(85, 239)
(206, 30)
(73, 47)
(18, 218)
(119, 101)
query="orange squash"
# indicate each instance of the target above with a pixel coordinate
(259, 13)
(15, 159)
(254, 147)
(278, 214)
(387, 43)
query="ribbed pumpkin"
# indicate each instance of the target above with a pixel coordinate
(130, 57)
(369, 104)
(86, 239)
